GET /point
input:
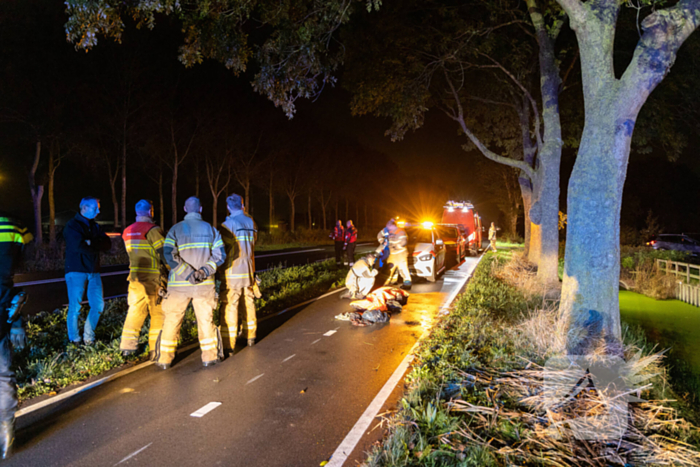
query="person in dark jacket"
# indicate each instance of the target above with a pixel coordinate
(13, 237)
(84, 242)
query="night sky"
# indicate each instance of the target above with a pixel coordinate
(46, 78)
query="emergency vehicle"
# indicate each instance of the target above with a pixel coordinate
(462, 214)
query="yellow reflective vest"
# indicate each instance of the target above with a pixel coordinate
(144, 243)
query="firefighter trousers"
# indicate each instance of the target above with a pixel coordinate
(358, 285)
(229, 318)
(143, 300)
(400, 263)
(174, 306)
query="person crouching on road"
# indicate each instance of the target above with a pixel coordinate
(84, 242)
(144, 242)
(350, 241)
(360, 278)
(338, 236)
(239, 234)
(13, 237)
(194, 251)
(398, 253)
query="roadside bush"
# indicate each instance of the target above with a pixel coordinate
(44, 257)
(49, 363)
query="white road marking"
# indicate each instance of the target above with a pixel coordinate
(288, 253)
(348, 445)
(206, 409)
(331, 332)
(257, 377)
(315, 341)
(133, 454)
(289, 358)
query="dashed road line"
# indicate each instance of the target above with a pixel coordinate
(206, 409)
(331, 332)
(315, 341)
(289, 358)
(134, 454)
(256, 378)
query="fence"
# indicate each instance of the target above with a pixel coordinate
(686, 289)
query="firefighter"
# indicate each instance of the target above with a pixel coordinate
(239, 234)
(360, 278)
(147, 272)
(398, 253)
(338, 236)
(492, 236)
(13, 237)
(350, 241)
(194, 251)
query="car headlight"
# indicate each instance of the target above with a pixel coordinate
(425, 257)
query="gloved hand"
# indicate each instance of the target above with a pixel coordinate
(18, 337)
(374, 272)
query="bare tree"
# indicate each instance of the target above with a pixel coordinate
(181, 146)
(218, 168)
(247, 166)
(37, 192)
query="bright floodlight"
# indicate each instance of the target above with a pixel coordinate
(427, 225)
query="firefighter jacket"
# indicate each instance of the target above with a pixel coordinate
(492, 233)
(397, 244)
(144, 242)
(13, 237)
(350, 235)
(338, 233)
(239, 234)
(362, 269)
(81, 256)
(191, 245)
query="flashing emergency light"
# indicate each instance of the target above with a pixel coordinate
(401, 224)
(427, 224)
(465, 210)
(450, 209)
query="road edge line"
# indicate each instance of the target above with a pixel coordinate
(73, 392)
(349, 443)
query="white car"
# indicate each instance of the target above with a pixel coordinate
(426, 252)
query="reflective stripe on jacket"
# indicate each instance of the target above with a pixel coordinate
(338, 234)
(144, 243)
(190, 245)
(239, 234)
(13, 237)
(397, 243)
(351, 235)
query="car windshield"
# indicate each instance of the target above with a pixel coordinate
(419, 235)
(448, 232)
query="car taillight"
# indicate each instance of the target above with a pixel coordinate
(425, 257)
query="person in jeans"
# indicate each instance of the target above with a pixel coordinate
(84, 242)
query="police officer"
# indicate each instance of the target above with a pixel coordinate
(13, 237)
(194, 251)
(239, 234)
(144, 242)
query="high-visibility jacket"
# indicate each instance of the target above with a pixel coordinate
(239, 234)
(492, 233)
(338, 233)
(191, 245)
(13, 237)
(397, 244)
(351, 234)
(144, 243)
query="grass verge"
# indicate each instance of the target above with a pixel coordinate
(475, 395)
(49, 363)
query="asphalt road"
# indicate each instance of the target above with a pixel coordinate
(288, 401)
(47, 291)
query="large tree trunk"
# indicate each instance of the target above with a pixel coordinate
(526, 193)
(37, 192)
(589, 309)
(247, 196)
(215, 211)
(52, 202)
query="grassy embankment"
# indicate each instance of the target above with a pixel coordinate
(48, 363)
(475, 398)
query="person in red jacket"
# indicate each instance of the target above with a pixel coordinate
(338, 236)
(350, 241)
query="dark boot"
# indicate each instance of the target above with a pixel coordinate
(7, 438)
